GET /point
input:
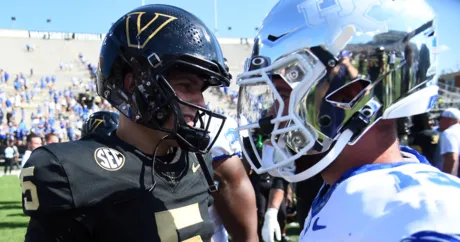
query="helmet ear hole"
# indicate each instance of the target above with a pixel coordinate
(325, 121)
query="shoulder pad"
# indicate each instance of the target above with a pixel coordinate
(45, 186)
(97, 170)
(81, 174)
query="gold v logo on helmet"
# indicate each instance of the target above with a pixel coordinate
(95, 123)
(141, 37)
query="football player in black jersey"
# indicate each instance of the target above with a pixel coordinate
(424, 138)
(150, 180)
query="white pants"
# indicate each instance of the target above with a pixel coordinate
(220, 234)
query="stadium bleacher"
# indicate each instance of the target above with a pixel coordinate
(47, 54)
(65, 56)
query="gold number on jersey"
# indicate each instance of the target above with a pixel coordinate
(168, 222)
(435, 139)
(29, 186)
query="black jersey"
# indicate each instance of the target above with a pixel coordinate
(99, 189)
(425, 142)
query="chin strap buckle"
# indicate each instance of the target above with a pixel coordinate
(212, 186)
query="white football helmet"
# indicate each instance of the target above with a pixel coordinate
(347, 64)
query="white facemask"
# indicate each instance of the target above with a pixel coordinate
(271, 156)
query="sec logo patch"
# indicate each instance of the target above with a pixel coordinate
(109, 159)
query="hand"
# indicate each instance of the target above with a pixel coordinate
(271, 226)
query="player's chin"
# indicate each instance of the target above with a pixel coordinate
(307, 161)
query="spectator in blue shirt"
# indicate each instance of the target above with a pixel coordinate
(8, 103)
(70, 133)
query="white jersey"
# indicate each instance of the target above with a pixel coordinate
(226, 146)
(450, 140)
(402, 201)
(220, 233)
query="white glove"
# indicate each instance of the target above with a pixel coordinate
(271, 226)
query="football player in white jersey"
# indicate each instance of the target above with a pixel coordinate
(238, 212)
(321, 68)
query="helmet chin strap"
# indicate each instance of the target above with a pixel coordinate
(198, 139)
(195, 140)
(189, 138)
(342, 141)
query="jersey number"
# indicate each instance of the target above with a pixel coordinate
(438, 178)
(34, 203)
(168, 222)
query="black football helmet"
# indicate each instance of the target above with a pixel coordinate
(150, 42)
(103, 122)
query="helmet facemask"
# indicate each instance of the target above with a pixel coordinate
(153, 100)
(302, 128)
(259, 96)
(378, 62)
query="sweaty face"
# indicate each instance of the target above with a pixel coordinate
(188, 88)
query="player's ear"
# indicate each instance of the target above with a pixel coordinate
(128, 82)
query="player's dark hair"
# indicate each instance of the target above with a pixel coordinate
(31, 136)
(49, 135)
(420, 122)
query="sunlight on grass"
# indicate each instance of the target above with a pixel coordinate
(13, 223)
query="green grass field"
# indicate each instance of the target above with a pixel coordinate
(13, 223)
(293, 232)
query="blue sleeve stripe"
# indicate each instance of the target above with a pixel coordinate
(432, 236)
(220, 157)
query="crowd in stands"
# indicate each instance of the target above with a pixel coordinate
(230, 99)
(36, 105)
(35, 108)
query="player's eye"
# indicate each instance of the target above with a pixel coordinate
(182, 86)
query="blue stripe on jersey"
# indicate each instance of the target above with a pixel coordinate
(432, 236)
(220, 157)
(326, 192)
